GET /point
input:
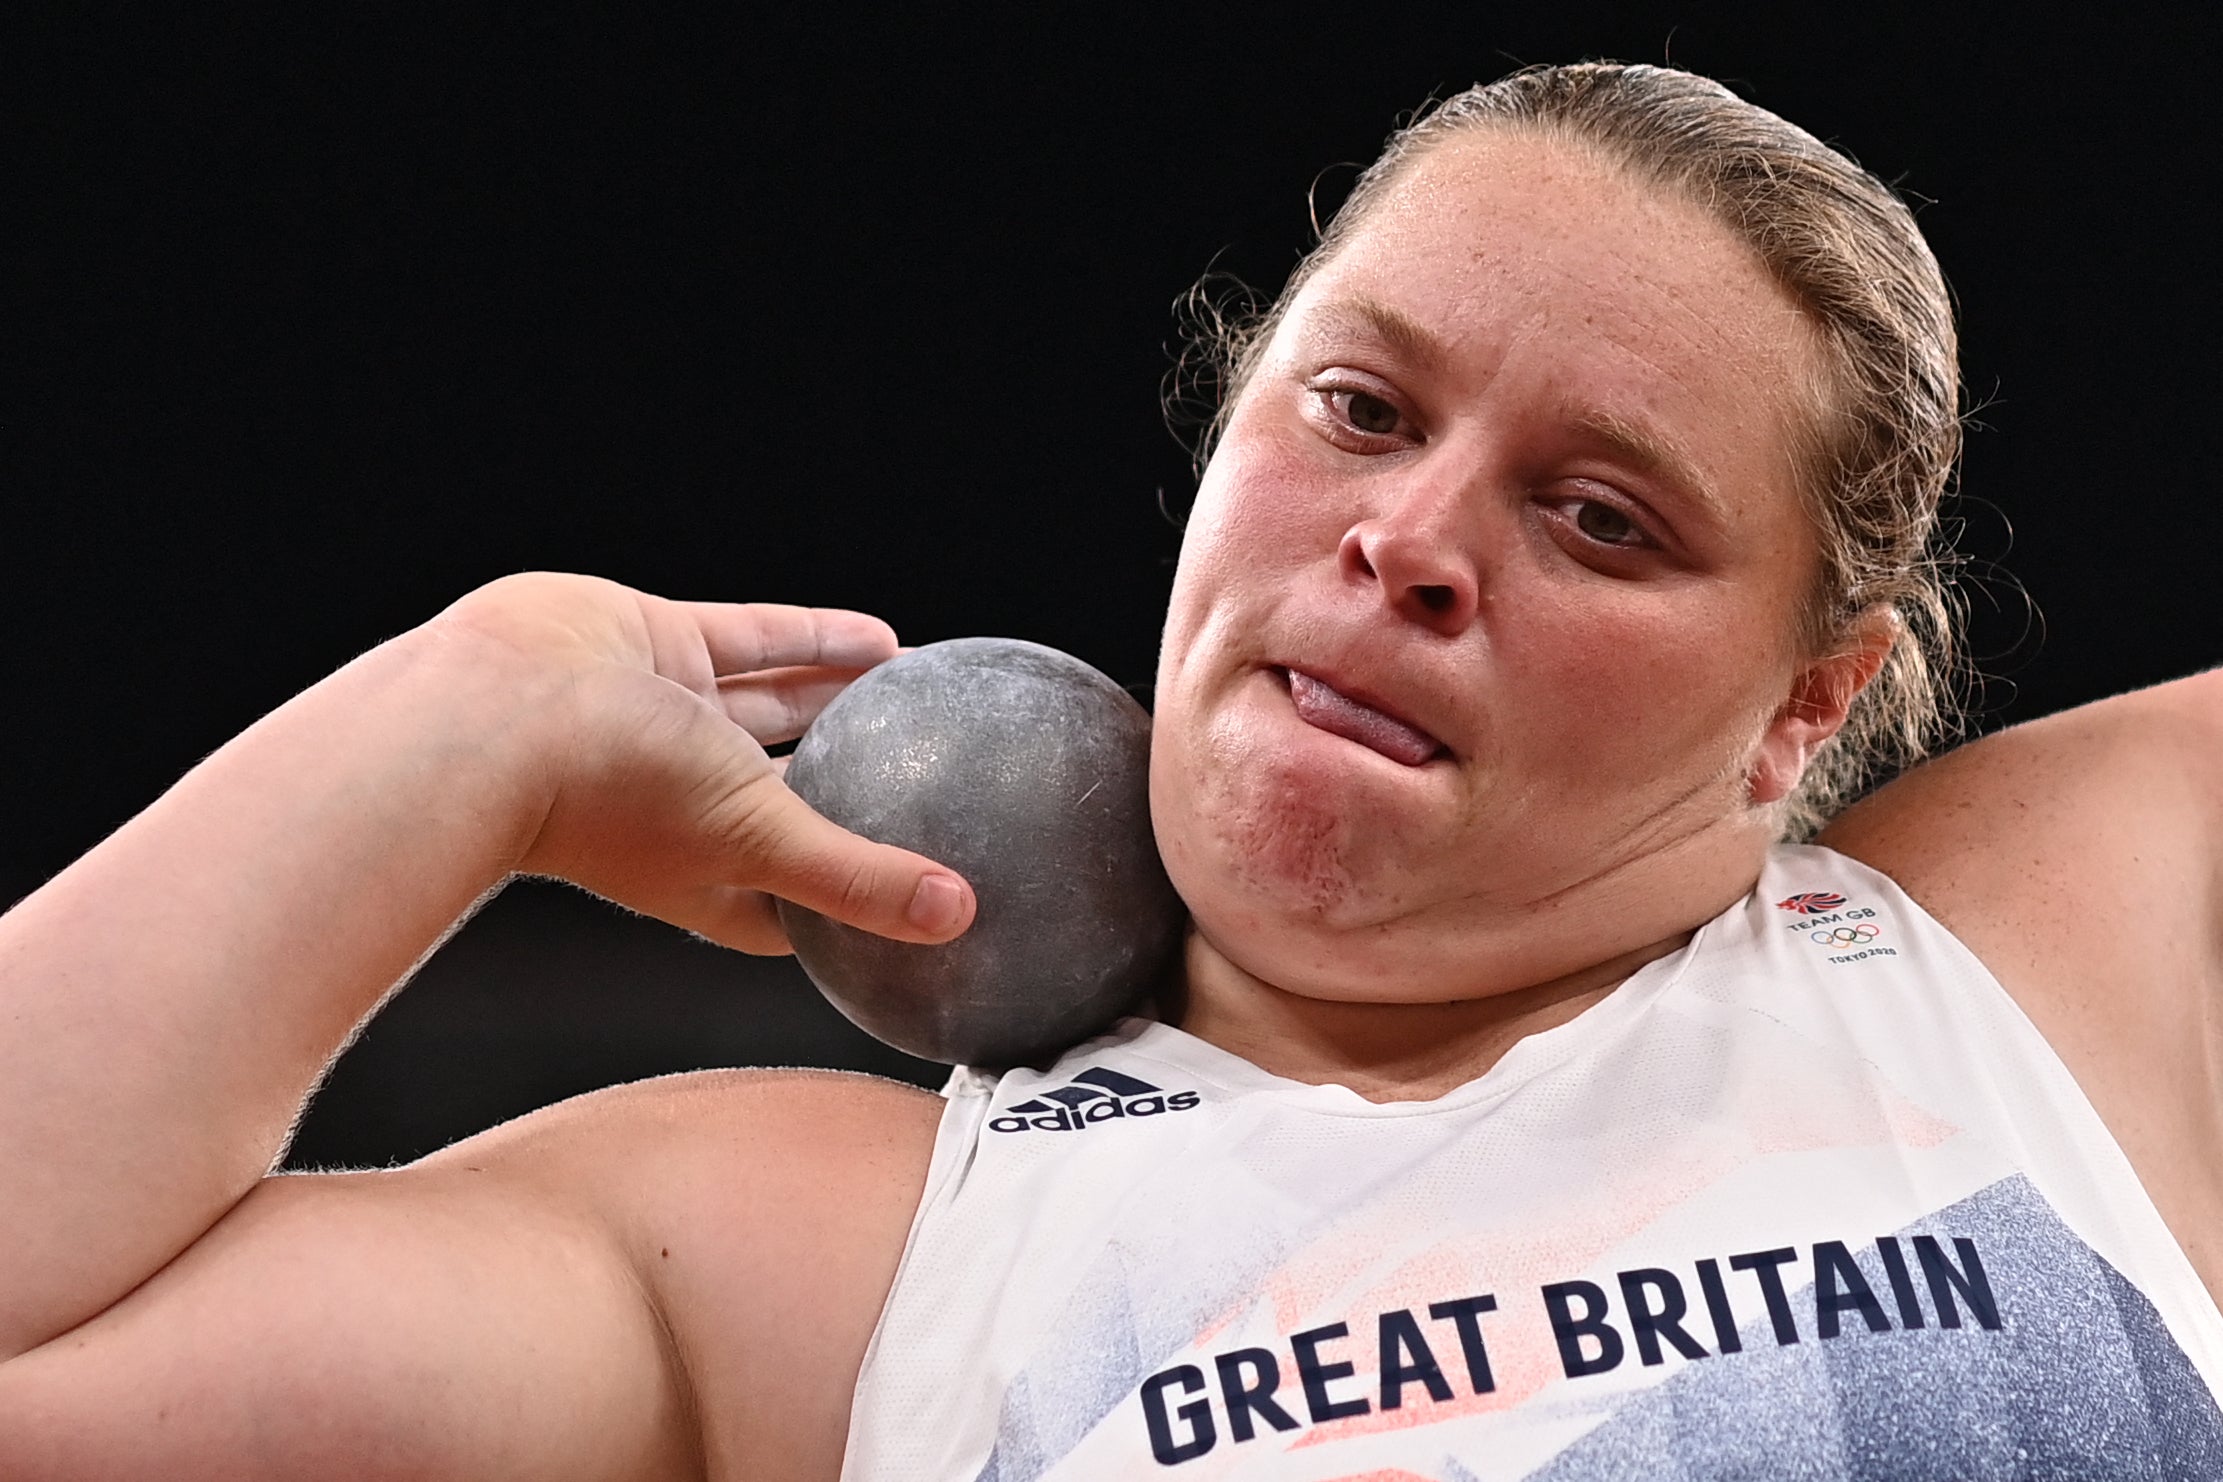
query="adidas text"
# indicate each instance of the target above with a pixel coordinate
(1095, 1095)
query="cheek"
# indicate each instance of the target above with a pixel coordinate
(1265, 504)
(1651, 686)
(1257, 520)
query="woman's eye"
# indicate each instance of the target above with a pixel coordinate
(1346, 410)
(1369, 413)
(1607, 525)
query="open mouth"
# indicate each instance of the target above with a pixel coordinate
(1329, 709)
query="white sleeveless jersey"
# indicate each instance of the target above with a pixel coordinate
(1808, 1199)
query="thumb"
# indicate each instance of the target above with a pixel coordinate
(799, 854)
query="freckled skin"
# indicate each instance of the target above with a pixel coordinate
(1616, 721)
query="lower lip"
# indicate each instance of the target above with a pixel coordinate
(1324, 708)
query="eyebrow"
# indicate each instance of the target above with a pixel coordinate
(1649, 452)
(1395, 328)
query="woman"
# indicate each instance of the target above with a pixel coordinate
(1570, 508)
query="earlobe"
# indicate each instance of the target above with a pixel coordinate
(1822, 695)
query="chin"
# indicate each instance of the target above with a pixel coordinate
(1265, 840)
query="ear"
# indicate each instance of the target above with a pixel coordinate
(1822, 694)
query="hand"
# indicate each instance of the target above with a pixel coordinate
(659, 793)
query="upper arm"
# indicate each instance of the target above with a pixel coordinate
(511, 1307)
(2081, 858)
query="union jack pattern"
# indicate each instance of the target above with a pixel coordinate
(1811, 902)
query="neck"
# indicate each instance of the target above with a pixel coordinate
(1383, 1051)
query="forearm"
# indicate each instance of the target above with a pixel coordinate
(167, 1002)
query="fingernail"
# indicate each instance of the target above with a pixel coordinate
(936, 904)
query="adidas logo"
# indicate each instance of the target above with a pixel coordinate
(1095, 1095)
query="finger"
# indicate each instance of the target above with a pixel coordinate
(796, 853)
(778, 705)
(746, 636)
(729, 915)
(732, 916)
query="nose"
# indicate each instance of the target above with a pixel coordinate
(1414, 552)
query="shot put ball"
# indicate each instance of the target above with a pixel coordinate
(1027, 772)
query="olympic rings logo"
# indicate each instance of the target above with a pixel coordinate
(1847, 936)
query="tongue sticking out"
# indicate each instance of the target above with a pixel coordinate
(1340, 715)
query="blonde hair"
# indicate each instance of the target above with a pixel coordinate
(1880, 459)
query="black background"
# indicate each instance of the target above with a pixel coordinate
(324, 315)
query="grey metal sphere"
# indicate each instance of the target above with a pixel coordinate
(1027, 772)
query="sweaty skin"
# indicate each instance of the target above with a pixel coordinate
(1551, 532)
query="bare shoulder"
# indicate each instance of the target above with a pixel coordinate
(2083, 841)
(765, 1212)
(2081, 858)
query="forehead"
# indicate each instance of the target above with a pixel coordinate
(1530, 269)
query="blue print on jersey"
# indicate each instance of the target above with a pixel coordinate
(2081, 1380)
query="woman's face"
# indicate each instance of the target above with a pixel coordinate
(1481, 647)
